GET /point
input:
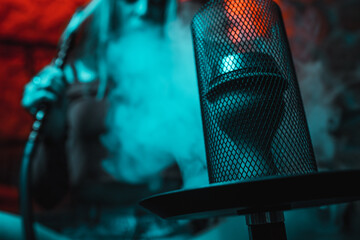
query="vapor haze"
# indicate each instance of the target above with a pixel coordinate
(154, 118)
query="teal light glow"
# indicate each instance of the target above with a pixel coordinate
(154, 118)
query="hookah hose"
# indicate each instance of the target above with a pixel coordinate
(64, 46)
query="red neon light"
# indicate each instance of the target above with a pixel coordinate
(247, 20)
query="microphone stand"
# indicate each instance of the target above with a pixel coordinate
(65, 45)
(266, 225)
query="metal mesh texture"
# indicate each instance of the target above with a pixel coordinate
(252, 112)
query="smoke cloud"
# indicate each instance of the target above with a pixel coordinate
(320, 111)
(154, 117)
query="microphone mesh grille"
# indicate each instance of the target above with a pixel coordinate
(252, 112)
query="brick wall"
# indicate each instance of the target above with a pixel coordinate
(29, 31)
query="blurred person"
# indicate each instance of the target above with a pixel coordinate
(85, 169)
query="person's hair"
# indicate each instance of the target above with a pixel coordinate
(92, 38)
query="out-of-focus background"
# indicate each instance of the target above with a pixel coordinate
(324, 37)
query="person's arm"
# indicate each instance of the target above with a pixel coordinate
(50, 175)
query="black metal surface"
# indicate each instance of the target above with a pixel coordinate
(260, 195)
(253, 117)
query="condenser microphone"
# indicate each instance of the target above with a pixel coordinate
(253, 118)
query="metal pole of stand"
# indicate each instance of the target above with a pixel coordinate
(266, 226)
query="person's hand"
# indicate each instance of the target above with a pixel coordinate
(46, 87)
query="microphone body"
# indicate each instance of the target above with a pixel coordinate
(252, 113)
